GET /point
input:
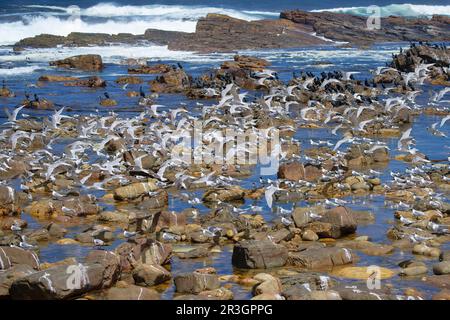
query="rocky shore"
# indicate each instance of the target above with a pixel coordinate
(308, 252)
(220, 33)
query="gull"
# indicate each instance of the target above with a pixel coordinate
(334, 131)
(52, 168)
(437, 96)
(381, 70)
(12, 117)
(362, 124)
(283, 211)
(444, 120)
(417, 213)
(417, 238)
(169, 237)
(361, 109)
(57, 117)
(174, 113)
(347, 75)
(286, 222)
(15, 227)
(406, 221)
(99, 242)
(404, 137)
(342, 141)
(25, 245)
(269, 194)
(128, 234)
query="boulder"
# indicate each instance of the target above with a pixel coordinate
(252, 254)
(61, 282)
(150, 275)
(12, 274)
(196, 282)
(12, 256)
(318, 258)
(442, 268)
(134, 190)
(341, 220)
(88, 62)
(224, 194)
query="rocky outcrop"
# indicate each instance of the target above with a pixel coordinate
(353, 29)
(221, 33)
(87, 62)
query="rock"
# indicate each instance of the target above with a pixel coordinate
(56, 78)
(129, 80)
(224, 194)
(441, 268)
(318, 258)
(268, 296)
(413, 271)
(132, 292)
(12, 274)
(150, 275)
(110, 261)
(91, 82)
(8, 201)
(134, 190)
(56, 230)
(7, 222)
(301, 216)
(196, 282)
(268, 284)
(88, 62)
(151, 69)
(173, 81)
(62, 282)
(423, 249)
(364, 273)
(143, 251)
(310, 235)
(12, 256)
(341, 220)
(108, 102)
(263, 254)
(218, 294)
(442, 295)
(296, 171)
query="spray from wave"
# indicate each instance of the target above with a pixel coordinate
(404, 10)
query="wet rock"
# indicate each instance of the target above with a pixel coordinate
(150, 275)
(62, 282)
(95, 232)
(341, 220)
(441, 268)
(88, 62)
(253, 254)
(364, 273)
(317, 258)
(310, 235)
(442, 295)
(423, 249)
(196, 282)
(268, 284)
(110, 261)
(12, 274)
(129, 80)
(8, 201)
(12, 256)
(151, 69)
(7, 222)
(91, 82)
(132, 292)
(6, 93)
(108, 102)
(296, 171)
(224, 194)
(143, 251)
(413, 271)
(134, 190)
(218, 294)
(173, 81)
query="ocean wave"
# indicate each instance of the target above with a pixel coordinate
(18, 70)
(405, 10)
(107, 10)
(111, 18)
